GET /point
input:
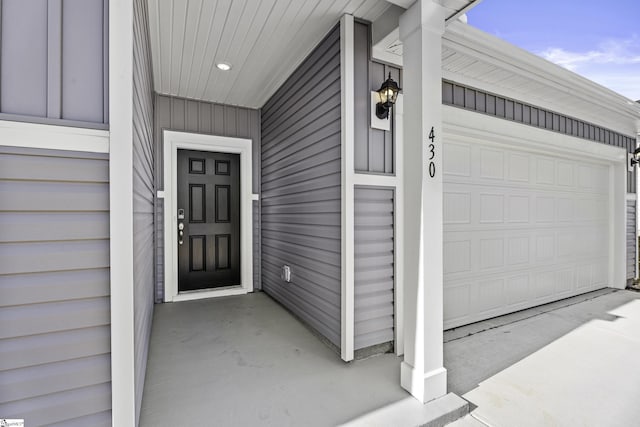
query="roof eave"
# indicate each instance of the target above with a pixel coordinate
(483, 45)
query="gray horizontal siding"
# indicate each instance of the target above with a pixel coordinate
(52, 72)
(632, 240)
(499, 106)
(374, 266)
(54, 286)
(300, 183)
(143, 196)
(373, 148)
(188, 115)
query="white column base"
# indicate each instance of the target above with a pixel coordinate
(425, 388)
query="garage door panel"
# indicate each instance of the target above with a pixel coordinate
(491, 253)
(545, 171)
(457, 302)
(519, 168)
(457, 256)
(491, 295)
(520, 229)
(508, 167)
(566, 174)
(481, 205)
(518, 208)
(491, 208)
(584, 281)
(492, 165)
(496, 294)
(457, 207)
(517, 289)
(565, 282)
(462, 154)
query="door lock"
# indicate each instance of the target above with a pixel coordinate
(180, 226)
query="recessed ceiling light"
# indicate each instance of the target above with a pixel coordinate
(224, 66)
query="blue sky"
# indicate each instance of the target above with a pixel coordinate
(597, 39)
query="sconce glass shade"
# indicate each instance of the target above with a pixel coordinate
(388, 93)
(635, 158)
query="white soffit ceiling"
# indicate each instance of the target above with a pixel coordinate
(263, 40)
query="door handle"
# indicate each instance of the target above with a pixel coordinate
(180, 226)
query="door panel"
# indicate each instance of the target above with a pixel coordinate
(521, 229)
(209, 211)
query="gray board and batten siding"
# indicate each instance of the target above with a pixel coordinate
(374, 266)
(55, 362)
(506, 108)
(374, 153)
(373, 148)
(186, 115)
(52, 72)
(143, 196)
(301, 190)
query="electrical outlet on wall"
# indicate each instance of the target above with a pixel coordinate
(286, 273)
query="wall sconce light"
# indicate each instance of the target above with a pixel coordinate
(634, 159)
(387, 95)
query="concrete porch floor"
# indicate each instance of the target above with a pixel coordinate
(242, 361)
(245, 361)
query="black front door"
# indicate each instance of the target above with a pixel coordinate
(208, 220)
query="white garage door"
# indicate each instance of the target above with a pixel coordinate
(520, 229)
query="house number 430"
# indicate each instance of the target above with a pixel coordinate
(432, 154)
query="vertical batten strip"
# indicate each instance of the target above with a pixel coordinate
(347, 193)
(1, 53)
(54, 59)
(105, 61)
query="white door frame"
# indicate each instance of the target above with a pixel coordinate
(192, 141)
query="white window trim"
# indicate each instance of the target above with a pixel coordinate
(53, 137)
(182, 140)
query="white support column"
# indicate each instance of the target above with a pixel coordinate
(421, 29)
(123, 412)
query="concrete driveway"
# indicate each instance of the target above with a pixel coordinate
(570, 363)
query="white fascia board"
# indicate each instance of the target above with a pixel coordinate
(483, 46)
